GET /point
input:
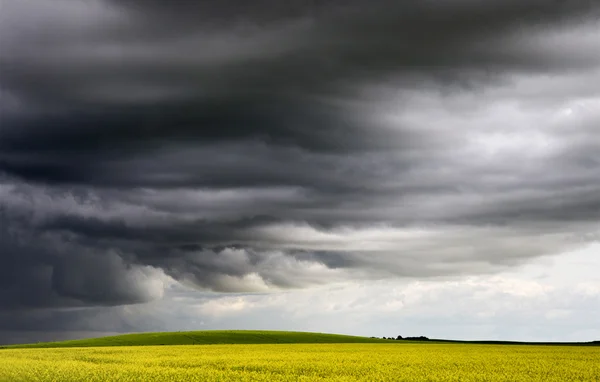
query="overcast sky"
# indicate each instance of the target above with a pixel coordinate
(425, 167)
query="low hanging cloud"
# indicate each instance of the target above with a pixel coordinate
(237, 148)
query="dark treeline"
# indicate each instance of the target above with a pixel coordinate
(423, 338)
(398, 338)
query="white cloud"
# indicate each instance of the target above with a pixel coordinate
(547, 299)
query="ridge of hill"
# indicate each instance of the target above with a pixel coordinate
(224, 337)
(207, 337)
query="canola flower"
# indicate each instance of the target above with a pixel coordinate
(303, 362)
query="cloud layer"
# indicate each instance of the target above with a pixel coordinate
(236, 148)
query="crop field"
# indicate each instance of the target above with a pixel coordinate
(392, 361)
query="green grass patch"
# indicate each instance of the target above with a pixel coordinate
(207, 337)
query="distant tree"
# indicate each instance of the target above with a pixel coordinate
(420, 338)
(398, 338)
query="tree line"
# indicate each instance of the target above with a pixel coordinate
(398, 338)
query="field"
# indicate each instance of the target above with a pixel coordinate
(383, 361)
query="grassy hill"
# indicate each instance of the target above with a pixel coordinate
(208, 337)
(215, 337)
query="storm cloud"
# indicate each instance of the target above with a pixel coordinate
(238, 148)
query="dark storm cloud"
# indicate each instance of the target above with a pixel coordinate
(113, 97)
(200, 74)
(238, 148)
(41, 271)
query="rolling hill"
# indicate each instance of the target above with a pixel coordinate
(208, 337)
(224, 337)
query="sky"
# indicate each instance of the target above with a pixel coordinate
(375, 168)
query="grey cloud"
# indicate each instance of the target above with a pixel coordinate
(41, 270)
(26, 326)
(261, 147)
(282, 98)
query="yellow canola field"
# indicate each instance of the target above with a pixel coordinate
(302, 362)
